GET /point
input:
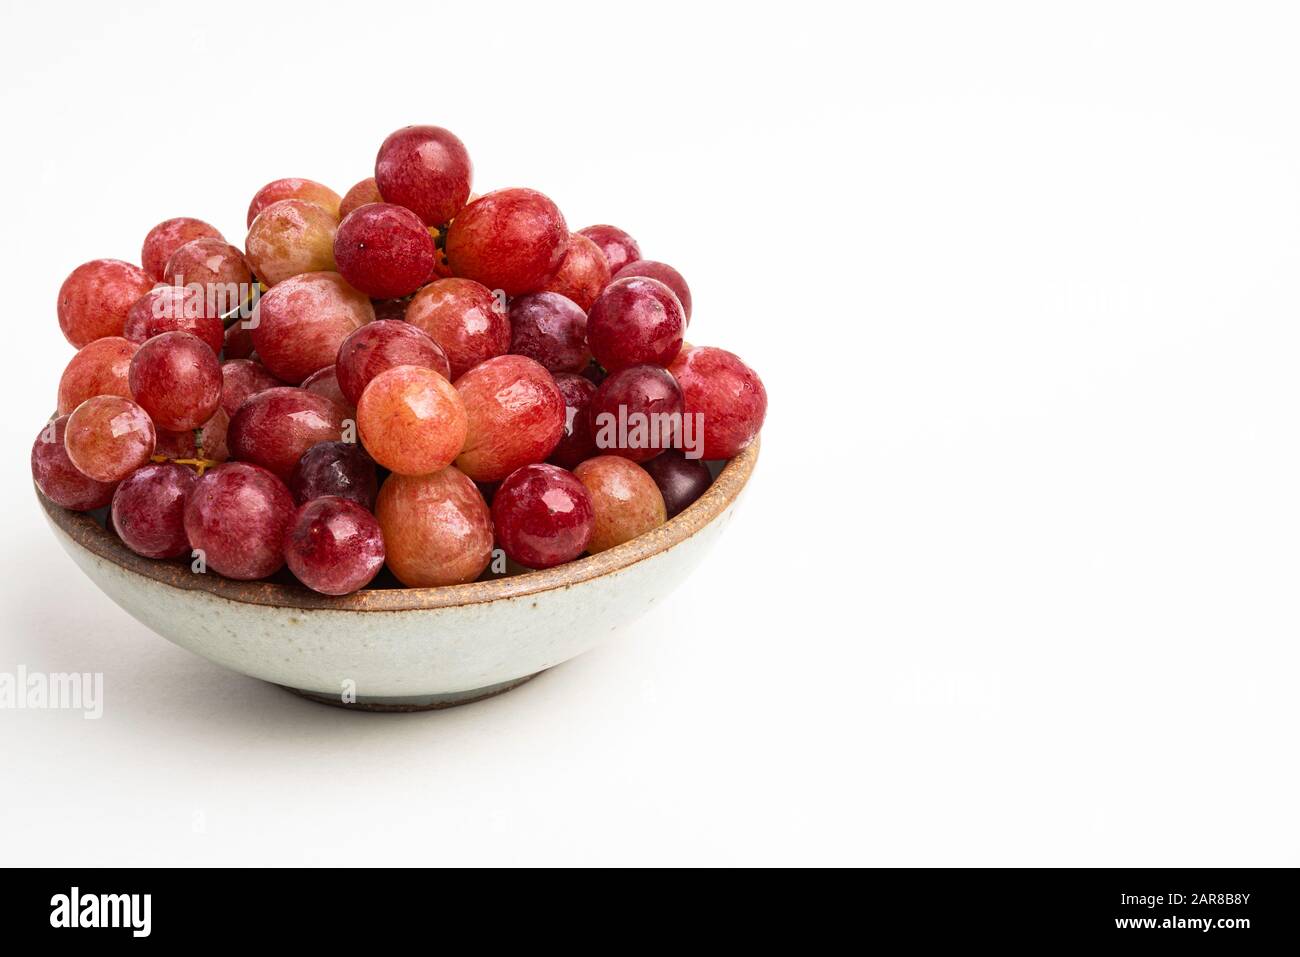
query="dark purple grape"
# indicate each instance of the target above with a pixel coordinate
(578, 442)
(340, 469)
(551, 330)
(681, 480)
(149, 509)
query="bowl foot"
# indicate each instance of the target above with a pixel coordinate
(430, 702)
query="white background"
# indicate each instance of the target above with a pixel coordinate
(1015, 582)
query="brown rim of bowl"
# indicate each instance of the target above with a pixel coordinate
(93, 537)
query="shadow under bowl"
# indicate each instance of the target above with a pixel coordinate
(404, 649)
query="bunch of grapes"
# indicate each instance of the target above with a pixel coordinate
(408, 376)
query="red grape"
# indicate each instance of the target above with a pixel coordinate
(384, 250)
(216, 269)
(637, 413)
(510, 239)
(274, 428)
(619, 248)
(149, 509)
(237, 516)
(109, 437)
(726, 393)
(301, 189)
(626, 500)
(437, 528)
(463, 317)
(335, 468)
(173, 309)
(95, 298)
(177, 379)
(543, 516)
(334, 546)
(578, 442)
(551, 330)
(58, 479)
(242, 378)
(583, 273)
(635, 320)
(299, 325)
(289, 238)
(666, 274)
(326, 382)
(359, 195)
(515, 414)
(99, 368)
(169, 236)
(380, 346)
(427, 170)
(681, 480)
(411, 420)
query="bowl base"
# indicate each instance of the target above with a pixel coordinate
(430, 702)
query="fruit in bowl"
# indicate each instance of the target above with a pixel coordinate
(451, 445)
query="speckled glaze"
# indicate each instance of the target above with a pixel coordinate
(413, 648)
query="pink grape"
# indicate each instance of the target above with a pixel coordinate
(177, 379)
(173, 309)
(290, 238)
(305, 190)
(626, 501)
(109, 437)
(169, 236)
(619, 248)
(95, 298)
(58, 479)
(380, 346)
(99, 368)
(274, 428)
(237, 515)
(583, 273)
(359, 195)
(411, 420)
(515, 416)
(427, 170)
(241, 378)
(299, 324)
(510, 239)
(726, 393)
(149, 509)
(465, 318)
(437, 528)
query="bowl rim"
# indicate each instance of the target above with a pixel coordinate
(84, 531)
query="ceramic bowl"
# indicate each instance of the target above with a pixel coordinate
(405, 649)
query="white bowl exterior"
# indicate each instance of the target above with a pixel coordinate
(395, 654)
